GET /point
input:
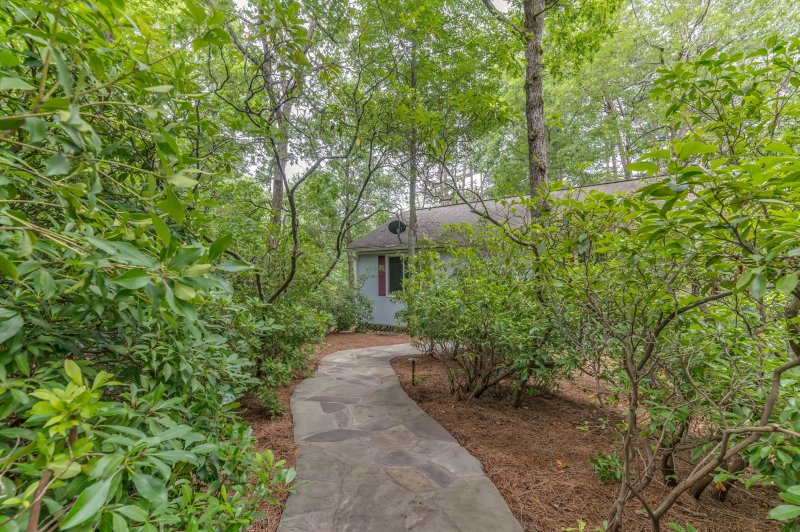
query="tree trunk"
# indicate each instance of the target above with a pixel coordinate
(623, 144)
(534, 96)
(282, 145)
(413, 163)
(718, 492)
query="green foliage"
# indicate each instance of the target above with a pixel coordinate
(474, 306)
(298, 328)
(349, 309)
(271, 402)
(104, 274)
(680, 528)
(682, 298)
(790, 511)
(607, 466)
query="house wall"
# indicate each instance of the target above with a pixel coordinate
(383, 307)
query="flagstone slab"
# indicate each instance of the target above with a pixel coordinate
(370, 460)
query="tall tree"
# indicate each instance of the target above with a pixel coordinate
(573, 36)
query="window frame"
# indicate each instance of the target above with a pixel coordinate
(402, 258)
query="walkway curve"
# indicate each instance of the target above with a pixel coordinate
(370, 460)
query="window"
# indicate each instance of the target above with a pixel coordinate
(397, 271)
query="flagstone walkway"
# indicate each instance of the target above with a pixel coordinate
(371, 460)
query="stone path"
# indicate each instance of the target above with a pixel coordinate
(371, 460)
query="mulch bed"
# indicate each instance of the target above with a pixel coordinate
(538, 456)
(278, 434)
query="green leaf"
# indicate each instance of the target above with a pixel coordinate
(37, 128)
(197, 270)
(73, 371)
(234, 266)
(8, 268)
(744, 280)
(778, 147)
(10, 326)
(133, 512)
(176, 456)
(787, 283)
(758, 286)
(65, 78)
(708, 53)
(791, 498)
(118, 523)
(88, 504)
(150, 488)
(58, 164)
(15, 84)
(160, 88)
(25, 244)
(123, 252)
(44, 284)
(185, 257)
(182, 291)
(181, 180)
(784, 512)
(643, 166)
(161, 229)
(219, 246)
(21, 360)
(133, 279)
(695, 148)
(8, 58)
(172, 206)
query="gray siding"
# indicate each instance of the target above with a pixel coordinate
(383, 307)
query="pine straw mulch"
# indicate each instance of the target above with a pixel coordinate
(539, 457)
(278, 434)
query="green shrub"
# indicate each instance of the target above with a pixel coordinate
(477, 311)
(607, 466)
(271, 402)
(296, 329)
(348, 309)
(104, 278)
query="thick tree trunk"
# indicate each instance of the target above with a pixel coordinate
(534, 96)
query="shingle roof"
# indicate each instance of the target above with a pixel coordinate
(430, 221)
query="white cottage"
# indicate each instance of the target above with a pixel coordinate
(380, 266)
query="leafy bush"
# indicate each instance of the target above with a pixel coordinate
(607, 466)
(296, 329)
(271, 402)
(348, 309)
(122, 354)
(129, 460)
(688, 291)
(476, 309)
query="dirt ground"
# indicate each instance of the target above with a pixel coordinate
(539, 458)
(278, 434)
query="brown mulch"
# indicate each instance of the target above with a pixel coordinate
(278, 434)
(538, 456)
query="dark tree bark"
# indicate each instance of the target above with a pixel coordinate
(531, 36)
(534, 96)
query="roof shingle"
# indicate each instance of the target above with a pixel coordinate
(430, 221)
